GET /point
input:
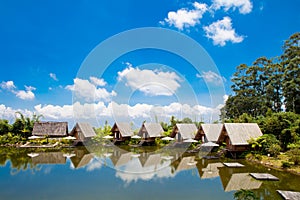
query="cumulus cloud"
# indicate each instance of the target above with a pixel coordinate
(185, 18)
(97, 82)
(244, 6)
(89, 90)
(9, 112)
(150, 82)
(53, 76)
(212, 77)
(113, 110)
(8, 85)
(221, 32)
(26, 94)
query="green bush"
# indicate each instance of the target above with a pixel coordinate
(294, 156)
(274, 150)
(285, 164)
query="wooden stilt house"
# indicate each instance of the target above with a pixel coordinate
(82, 132)
(121, 131)
(150, 131)
(209, 132)
(237, 135)
(184, 131)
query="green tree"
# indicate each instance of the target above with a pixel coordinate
(5, 127)
(291, 80)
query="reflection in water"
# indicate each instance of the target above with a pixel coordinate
(147, 166)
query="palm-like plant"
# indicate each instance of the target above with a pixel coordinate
(28, 122)
(245, 195)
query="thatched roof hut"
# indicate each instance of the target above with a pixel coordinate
(237, 135)
(52, 129)
(184, 131)
(49, 158)
(150, 131)
(82, 131)
(121, 131)
(209, 132)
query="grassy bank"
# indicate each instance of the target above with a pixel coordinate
(281, 162)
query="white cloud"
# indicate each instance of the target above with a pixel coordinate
(244, 6)
(185, 18)
(221, 32)
(97, 81)
(9, 85)
(89, 91)
(53, 76)
(150, 82)
(9, 113)
(26, 94)
(136, 113)
(212, 77)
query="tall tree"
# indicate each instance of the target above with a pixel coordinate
(291, 81)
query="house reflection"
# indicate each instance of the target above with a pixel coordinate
(82, 158)
(49, 158)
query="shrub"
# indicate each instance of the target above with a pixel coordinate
(285, 164)
(274, 150)
(294, 156)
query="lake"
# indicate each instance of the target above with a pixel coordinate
(132, 173)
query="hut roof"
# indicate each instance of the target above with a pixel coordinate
(240, 133)
(187, 131)
(50, 128)
(240, 181)
(153, 129)
(86, 129)
(212, 131)
(124, 128)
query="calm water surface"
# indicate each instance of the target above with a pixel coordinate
(111, 173)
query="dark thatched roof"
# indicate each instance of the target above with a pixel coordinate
(57, 129)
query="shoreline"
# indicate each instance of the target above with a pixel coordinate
(272, 166)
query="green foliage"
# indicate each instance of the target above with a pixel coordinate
(285, 164)
(134, 141)
(285, 126)
(245, 195)
(274, 150)
(5, 127)
(266, 144)
(294, 155)
(103, 131)
(9, 138)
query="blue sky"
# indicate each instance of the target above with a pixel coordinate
(45, 43)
